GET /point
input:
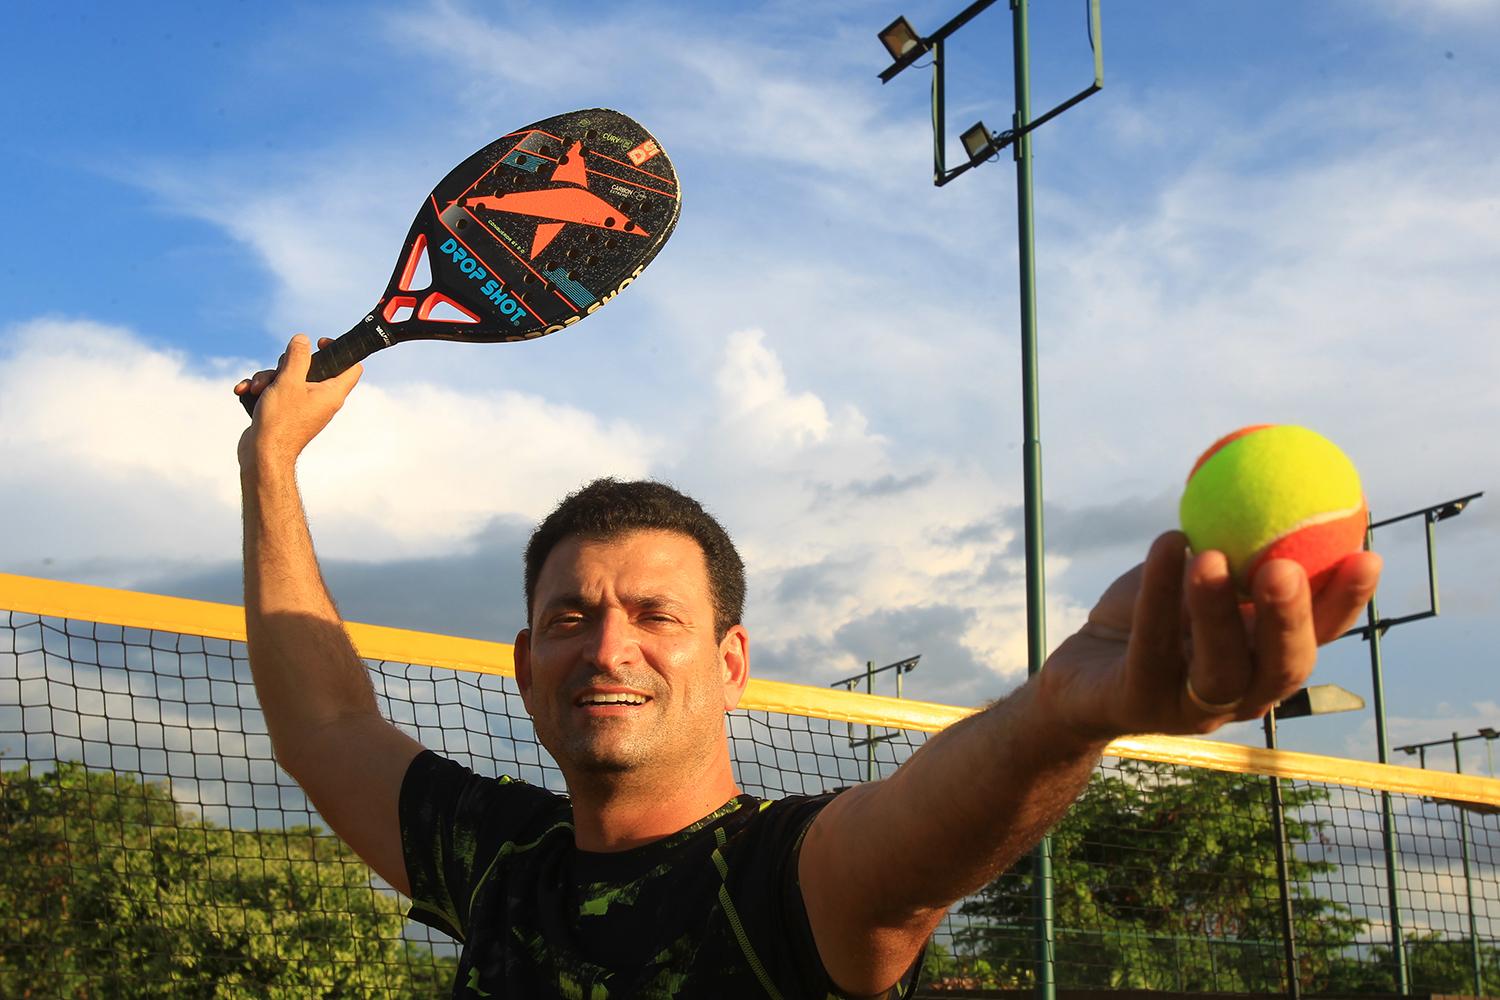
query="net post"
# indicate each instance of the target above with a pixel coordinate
(1387, 814)
(1463, 843)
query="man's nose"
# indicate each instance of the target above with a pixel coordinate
(613, 642)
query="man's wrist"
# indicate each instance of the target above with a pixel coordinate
(260, 458)
(1057, 703)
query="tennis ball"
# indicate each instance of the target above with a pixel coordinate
(1273, 491)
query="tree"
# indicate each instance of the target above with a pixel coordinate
(1165, 878)
(109, 888)
(1440, 964)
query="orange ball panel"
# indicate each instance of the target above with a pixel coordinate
(1318, 547)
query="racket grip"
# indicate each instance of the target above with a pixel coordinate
(346, 352)
(338, 357)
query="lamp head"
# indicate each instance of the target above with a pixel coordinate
(1320, 699)
(976, 139)
(1448, 510)
(899, 38)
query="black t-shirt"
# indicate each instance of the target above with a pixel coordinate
(714, 910)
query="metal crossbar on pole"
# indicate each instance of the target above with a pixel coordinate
(871, 740)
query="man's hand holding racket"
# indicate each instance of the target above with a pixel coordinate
(289, 410)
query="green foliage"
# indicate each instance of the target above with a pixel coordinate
(108, 888)
(1446, 965)
(1165, 878)
(937, 963)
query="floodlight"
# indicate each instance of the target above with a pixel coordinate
(899, 38)
(1320, 699)
(1489, 733)
(976, 139)
(1448, 510)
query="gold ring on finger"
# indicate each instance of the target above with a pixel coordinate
(1210, 707)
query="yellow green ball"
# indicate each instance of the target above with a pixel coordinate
(1275, 491)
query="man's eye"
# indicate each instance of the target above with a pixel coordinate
(566, 621)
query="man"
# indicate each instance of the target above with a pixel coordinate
(654, 877)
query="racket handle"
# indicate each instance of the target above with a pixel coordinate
(338, 357)
(348, 351)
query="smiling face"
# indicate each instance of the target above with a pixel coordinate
(620, 668)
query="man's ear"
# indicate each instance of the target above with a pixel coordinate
(734, 658)
(522, 656)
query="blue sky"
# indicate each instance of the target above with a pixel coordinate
(1275, 212)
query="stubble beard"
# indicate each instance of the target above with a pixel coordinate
(617, 746)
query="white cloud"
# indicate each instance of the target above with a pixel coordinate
(327, 227)
(752, 386)
(122, 451)
(793, 479)
(113, 448)
(1349, 292)
(417, 468)
(1433, 16)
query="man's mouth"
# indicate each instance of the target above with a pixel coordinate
(611, 698)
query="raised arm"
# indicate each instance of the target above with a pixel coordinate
(320, 709)
(982, 793)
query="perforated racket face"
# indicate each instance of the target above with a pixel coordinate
(533, 232)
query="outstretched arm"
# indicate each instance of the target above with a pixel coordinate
(982, 793)
(320, 708)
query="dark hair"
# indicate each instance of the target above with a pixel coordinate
(608, 508)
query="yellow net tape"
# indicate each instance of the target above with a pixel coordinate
(130, 609)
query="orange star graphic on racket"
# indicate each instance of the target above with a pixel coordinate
(570, 202)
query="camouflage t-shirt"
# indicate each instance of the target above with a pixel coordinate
(714, 910)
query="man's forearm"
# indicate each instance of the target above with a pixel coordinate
(319, 705)
(970, 802)
(885, 860)
(306, 671)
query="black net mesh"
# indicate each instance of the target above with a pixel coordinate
(152, 847)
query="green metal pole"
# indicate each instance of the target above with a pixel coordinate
(1463, 842)
(869, 730)
(1283, 870)
(1387, 815)
(1036, 593)
(1432, 585)
(939, 116)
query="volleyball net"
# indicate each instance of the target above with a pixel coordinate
(149, 845)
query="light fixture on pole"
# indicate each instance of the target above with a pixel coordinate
(978, 142)
(900, 38)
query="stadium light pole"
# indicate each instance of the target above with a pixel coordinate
(1320, 699)
(902, 668)
(906, 46)
(1487, 734)
(1375, 628)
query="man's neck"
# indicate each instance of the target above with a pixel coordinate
(618, 812)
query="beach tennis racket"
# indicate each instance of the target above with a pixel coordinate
(526, 237)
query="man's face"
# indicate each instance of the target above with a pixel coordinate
(620, 669)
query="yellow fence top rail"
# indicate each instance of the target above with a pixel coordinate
(130, 609)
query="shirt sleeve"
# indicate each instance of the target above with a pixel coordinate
(786, 823)
(454, 825)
